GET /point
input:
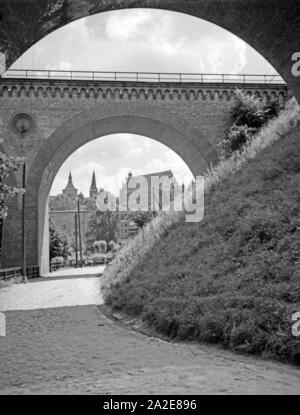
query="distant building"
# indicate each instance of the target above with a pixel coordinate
(152, 197)
(67, 200)
(126, 227)
(70, 191)
(93, 188)
(63, 208)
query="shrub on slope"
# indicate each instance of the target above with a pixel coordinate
(232, 279)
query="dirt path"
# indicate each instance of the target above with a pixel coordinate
(77, 349)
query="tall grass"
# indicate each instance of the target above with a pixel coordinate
(130, 255)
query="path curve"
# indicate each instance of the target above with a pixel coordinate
(66, 348)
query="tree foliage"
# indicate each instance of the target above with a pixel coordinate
(58, 244)
(8, 164)
(100, 247)
(102, 226)
(113, 246)
(249, 115)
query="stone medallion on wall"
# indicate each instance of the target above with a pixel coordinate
(22, 123)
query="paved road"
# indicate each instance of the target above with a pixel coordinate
(76, 349)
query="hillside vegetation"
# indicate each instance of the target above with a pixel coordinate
(234, 278)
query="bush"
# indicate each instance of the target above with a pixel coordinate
(238, 137)
(58, 260)
(249, 115)
(252, 111)
(113, 247)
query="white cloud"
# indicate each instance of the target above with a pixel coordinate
(126, 25)
(64, 66)
(143, 40)
(112, 157)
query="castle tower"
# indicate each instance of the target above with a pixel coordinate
(93, 188)
(70, 191)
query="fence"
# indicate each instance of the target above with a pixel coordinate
(14, 272)
(84, 263)
(155, 77)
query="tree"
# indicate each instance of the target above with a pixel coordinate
(100, 246)
(102, 226)
(113, 246)
(58, 244)
(8, 164)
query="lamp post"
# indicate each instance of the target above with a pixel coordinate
(79, 231)
(24, 224)
(76, 239)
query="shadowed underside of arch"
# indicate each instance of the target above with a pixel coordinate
(272, 27)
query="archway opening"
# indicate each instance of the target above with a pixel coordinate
(81, 236)
(167, 150)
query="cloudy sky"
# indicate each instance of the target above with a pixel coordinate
(137, 40)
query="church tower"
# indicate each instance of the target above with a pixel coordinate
(93, 188)
(70, 191)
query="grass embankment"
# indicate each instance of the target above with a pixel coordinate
(234, 278)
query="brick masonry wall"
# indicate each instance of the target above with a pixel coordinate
(189, 118)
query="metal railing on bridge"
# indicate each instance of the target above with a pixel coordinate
(142, 76)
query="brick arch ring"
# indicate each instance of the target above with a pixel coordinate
(143, 119)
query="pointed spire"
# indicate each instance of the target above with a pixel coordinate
(70, 184)
(70, 181)
(93, 185)
(93, 188)
(70, 188)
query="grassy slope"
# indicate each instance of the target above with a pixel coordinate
(233, 279)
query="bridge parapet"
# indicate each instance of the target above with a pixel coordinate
(122, 90)
(143, 76)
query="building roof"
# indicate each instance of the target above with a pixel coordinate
(166, 173)
(70, 185)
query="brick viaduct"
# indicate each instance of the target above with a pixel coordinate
(64, 116)
(272, 27)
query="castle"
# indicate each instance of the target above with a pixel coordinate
(63, 208)
(67, 200)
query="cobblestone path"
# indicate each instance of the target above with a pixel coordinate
(74, 350)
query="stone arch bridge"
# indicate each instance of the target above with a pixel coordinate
(46, 120)
(271, 27)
